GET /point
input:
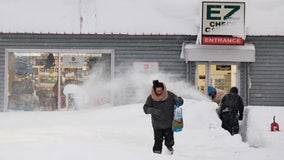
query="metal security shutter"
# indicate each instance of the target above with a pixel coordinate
(267, 73)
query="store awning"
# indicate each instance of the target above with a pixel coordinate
(221, 53)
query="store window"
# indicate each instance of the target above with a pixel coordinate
(36, 80)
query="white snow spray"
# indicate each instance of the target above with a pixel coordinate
(129, 86)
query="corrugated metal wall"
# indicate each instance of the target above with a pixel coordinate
(243, 82)
(2, 76)
(263, 86)
(164, 49)
(267, 73)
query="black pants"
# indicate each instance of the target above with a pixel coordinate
(160, 135)
(230, 122)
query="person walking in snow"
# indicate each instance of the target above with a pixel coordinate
(216, 95)
(160, 104)
(232, 108)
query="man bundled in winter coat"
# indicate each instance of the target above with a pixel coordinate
(232, 108)
(160, 104)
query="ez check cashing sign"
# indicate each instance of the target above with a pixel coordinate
(223, 23)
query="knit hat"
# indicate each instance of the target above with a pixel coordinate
(211, 89)
(234, 90)
(157, 84)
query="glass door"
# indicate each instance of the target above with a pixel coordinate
(221, 76)
(201, 77)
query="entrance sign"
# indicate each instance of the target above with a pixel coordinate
(223, 23)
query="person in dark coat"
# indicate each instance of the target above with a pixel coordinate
(232, 108)
(160, 104)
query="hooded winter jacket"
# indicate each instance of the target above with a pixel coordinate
(232, 102)
(162, 111)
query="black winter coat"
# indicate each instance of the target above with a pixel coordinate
(232, 102)
(162, 112)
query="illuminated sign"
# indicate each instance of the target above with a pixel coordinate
(223, 23)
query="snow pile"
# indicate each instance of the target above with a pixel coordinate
(125, 132)
(119, 132)
(259, 120)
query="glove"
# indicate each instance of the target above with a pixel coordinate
(176, 104)
(241, 117)
(179, 101)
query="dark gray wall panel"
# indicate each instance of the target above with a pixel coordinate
(164, 49)
(262, 82)
(267, 73)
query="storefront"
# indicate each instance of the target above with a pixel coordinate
(256, 68)
(220, 48)
(217, 65)
(222, 54)
(36, 78)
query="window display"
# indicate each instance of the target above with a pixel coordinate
(33, 78)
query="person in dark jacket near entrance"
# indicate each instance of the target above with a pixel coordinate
(232, 108)
(160, 104)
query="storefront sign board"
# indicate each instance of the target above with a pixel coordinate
(223, 23)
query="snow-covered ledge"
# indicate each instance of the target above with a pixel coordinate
(220, 53)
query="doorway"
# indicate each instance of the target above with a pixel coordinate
(222, 76)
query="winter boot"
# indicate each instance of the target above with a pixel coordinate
(157, 152)
(171, 150)
(235, 130)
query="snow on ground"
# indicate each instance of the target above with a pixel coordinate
(125, 132)
(259, 120)
(119, 132)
